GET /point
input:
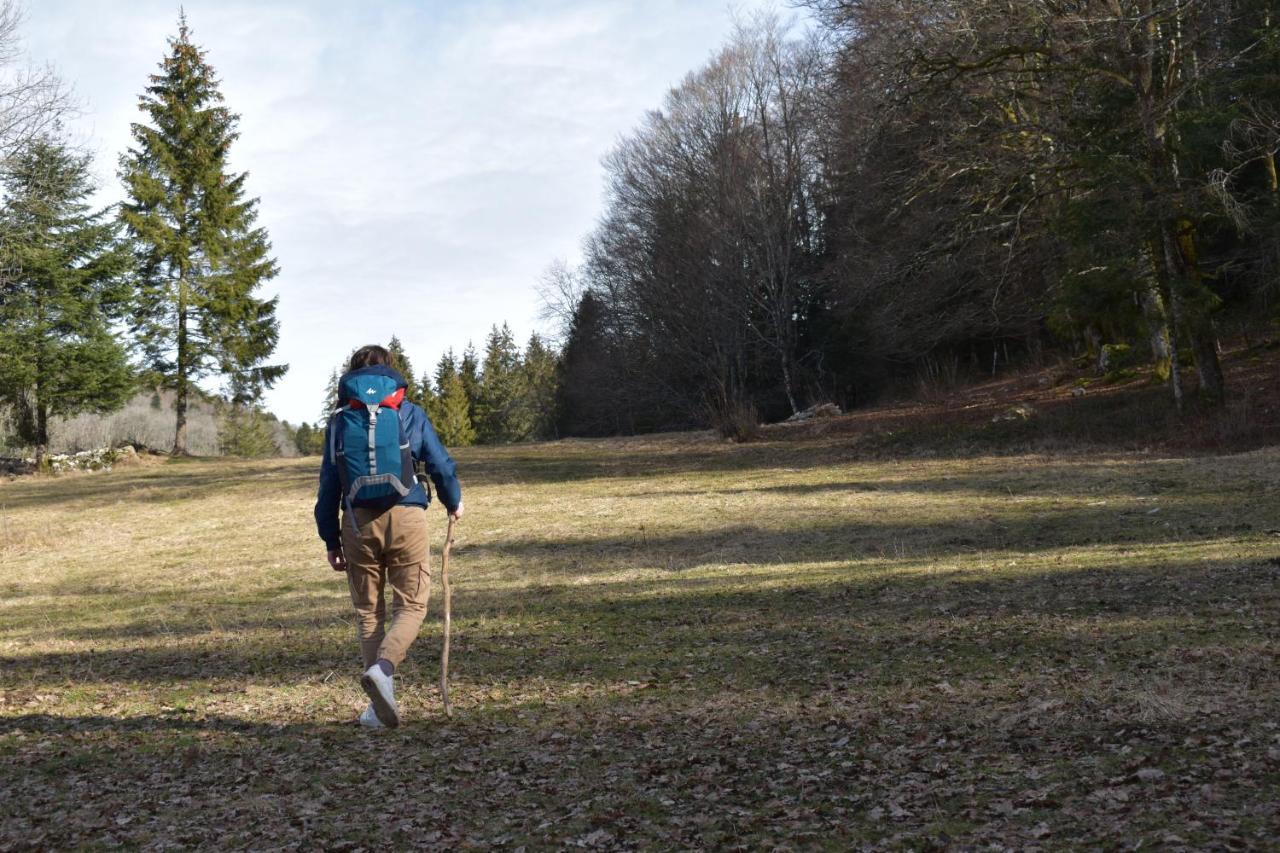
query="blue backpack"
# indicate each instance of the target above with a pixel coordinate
(367, 443)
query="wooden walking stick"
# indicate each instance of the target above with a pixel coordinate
(448, 608)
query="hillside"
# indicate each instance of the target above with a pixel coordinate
(1062, 406)
(146, 419)
(661, 642)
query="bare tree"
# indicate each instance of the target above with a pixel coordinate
(32, 98)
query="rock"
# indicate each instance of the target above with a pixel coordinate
(1020, 412)
(14, 466)
(821, 410)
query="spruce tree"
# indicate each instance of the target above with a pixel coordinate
(430, 399)
(445, 368)
(400, 363)
(330, 395)
(469, 373)
(201, 257)
(453, 421)
(538, 388)
(66, 282)
(245, 431)
(498, 414)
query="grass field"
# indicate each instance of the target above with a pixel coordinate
(659, 643)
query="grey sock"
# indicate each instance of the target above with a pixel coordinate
(387, 667)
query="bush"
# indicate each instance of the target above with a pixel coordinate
(737, 420)
(248, 433)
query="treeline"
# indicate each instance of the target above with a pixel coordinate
(507, 396)
(161, 290)
(930, 187)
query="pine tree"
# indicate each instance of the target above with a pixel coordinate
(200, 254)
(498, 414)
(430, 399)
(246, 432)
(539, 388)
(446, 368)
(330, 395)
(58, 355)
(453, 420)
(469, 373)
(400, 364)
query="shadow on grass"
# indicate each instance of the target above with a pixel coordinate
(865, 626)
(171, 482)
(809, 540)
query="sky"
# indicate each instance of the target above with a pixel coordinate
(419, 165)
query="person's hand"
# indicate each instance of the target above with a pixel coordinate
(337, 561)
(457, 512)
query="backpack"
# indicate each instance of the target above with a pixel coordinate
(368, 444)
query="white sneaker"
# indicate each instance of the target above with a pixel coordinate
(381, 691)
(369, 719)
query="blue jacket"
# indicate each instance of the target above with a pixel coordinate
(426, 448)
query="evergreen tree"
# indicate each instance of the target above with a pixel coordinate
(200, 255)
(246, 432)
(430, 400)
(309, 440)
(469, 373)
(330, 395)
(446, 368)
(539, 388)
(400, 364)
(498, 407)
(58, 355)
(453, 417)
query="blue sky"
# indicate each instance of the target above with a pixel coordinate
(419, 164)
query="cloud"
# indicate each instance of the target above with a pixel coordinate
(418, 163)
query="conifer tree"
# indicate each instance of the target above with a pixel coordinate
(498, 412)
(469, 373)
(308, 440)
(430, 399)
(245, 431)
(445, 368)
(400, 363)
(330, 395)
(58, 355)
(200, 254)
(453, 418)
(539, 388)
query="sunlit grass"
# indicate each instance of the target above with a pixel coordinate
(672, 640)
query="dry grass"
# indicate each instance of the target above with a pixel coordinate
(662, 642)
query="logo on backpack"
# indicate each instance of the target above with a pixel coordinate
(368, 444)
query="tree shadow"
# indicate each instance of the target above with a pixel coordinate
(167, 483)
(813, 539)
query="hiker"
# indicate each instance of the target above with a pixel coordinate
(371, 444)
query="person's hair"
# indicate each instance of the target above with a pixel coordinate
(369, 356)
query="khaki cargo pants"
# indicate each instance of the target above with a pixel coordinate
(391, 548)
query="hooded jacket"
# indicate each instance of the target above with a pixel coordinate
(423, 443)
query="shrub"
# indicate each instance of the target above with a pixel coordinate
(736, 420)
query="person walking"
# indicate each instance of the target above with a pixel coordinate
(371, 512)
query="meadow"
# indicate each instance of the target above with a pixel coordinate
(665, 642)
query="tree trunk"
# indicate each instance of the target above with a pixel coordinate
(40, 406)
(180, 403)
(1169, 270)
(42, 426)
(1204, 339)
(1157, 317)
(786, 385)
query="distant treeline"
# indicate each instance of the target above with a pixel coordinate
(930, 187)
(508, 396)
